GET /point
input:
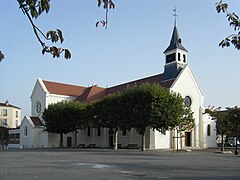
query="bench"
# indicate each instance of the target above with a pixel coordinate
(81, 146)
(132, 146)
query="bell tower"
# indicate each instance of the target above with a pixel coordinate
(175, 55)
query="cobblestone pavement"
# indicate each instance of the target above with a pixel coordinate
(103, 164)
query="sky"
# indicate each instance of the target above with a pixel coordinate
(130, 48)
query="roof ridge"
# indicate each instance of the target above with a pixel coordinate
(63, 83)
(9, 105)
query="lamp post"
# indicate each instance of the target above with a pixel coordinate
(177, 137)
(236, 141)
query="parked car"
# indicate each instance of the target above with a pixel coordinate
(231, 142)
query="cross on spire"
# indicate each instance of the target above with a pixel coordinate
(175, 15)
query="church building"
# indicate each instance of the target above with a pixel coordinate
(177, 77)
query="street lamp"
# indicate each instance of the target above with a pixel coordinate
(236, 141)
(177, 136)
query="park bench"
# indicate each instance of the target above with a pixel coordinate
(132, 146)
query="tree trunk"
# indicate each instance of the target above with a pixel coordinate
(61, 140)
(143, 141)
(222, 144)
(115, 139)
(75, 138)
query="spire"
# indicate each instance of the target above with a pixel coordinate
(176, 41)
(175, 54)
(175, 16)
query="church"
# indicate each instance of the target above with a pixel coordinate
(177, 77)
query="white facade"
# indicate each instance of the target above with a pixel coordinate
(41, 94)
(29, 134)
(190, 88)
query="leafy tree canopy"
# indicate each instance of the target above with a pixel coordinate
(64, 117)
(221, 118)
(150, 105)
(234, 22)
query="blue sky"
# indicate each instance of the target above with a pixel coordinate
(131, 48)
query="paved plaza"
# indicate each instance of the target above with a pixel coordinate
(102, 164)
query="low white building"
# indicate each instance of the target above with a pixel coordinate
(177, 77)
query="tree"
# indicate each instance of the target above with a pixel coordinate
(77, 114)
(139, 109)
(222, 122)
(234, 22)
(187, 121)
(150, 105)
(3, 136)
(63, 117)
(234, 117)
(109, 112)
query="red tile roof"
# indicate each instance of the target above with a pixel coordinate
(63, 89)
(36, 121)
(152, 79)
(89, 94)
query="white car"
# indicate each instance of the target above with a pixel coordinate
(232, 141)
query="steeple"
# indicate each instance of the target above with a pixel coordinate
(176, 54)
(175, 42)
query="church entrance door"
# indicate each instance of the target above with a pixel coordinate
(69, 142)
(110, 141)
(187, 138)
(110, 137)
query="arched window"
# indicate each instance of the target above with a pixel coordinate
(208, 130)
(25, 131)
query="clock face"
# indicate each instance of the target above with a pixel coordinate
(187, 101)
(38, 107)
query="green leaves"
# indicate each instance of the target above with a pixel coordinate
(234, 22)
(33, 9)
(67, 54)
(106, 4)
(146, 105)
(57, 51)
(1, 56)
(220, 6)
(221, 119)
(44, 5)
(64, 117)
(234, 115)
(54, 36)
(36, 7)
